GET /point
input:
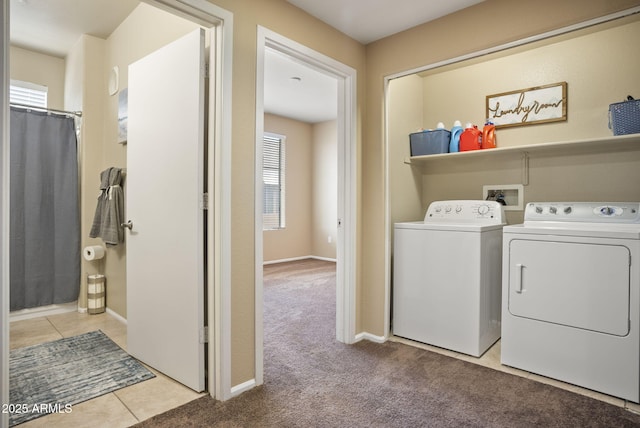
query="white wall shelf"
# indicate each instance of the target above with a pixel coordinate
(583, 146)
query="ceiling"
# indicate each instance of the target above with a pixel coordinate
(291, 89)
(54, 26)
(297, 91)
(370, 20)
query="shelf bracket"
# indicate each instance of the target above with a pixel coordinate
(407, 160)
(525, 168)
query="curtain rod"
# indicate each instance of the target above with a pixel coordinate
(48, 110)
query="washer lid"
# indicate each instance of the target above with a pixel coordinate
(454, 227)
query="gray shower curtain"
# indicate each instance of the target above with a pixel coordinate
(44, 213)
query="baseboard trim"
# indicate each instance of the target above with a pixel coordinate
(326, 259)
(295, 259)
(117, 316)
(43, 311)
(370, 337)
(243, 387)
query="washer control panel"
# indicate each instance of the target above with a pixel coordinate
(590, 212)
(465, 211)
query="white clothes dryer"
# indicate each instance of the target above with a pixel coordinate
(571, 295)
(446, 278)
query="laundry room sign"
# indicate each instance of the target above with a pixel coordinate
(541, 104)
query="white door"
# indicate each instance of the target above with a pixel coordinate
(576, 284)
(164, 186)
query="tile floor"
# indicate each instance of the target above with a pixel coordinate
(491, 359)
(121, 408)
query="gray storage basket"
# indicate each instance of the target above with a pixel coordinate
(624, 117)
(429, 142)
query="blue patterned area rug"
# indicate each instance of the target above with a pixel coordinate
(52, 377)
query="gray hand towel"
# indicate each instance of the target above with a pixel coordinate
(110, 209)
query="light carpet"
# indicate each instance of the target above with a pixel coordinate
(53, 376)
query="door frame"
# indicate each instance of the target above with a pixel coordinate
(4, 212)
(347, 181)
(218, 280)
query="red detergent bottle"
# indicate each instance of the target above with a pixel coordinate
(489, 135)
(471, 138)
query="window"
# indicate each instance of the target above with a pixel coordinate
(26, 93)
(273, 173)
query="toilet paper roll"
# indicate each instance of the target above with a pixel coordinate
(93, 252)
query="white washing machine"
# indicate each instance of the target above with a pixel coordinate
(571, 282)
(446, 277)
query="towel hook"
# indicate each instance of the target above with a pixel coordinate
(128, 225)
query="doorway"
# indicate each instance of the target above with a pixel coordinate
(346, 183)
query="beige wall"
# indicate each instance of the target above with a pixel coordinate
(74, 76)
(84, 89)
(295, 239)
(427, 44)
(594, 62)
(406, 106)
(41, 69)
(311, 190)
(324, 189)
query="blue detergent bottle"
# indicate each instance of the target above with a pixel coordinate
(456, 131)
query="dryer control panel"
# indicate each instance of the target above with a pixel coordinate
(465, 211)
(587, 212)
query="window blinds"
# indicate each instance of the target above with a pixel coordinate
(27, 93)
(273, 175)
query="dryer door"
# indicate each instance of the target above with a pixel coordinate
(580, 285)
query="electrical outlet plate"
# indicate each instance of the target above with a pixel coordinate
(513, 195)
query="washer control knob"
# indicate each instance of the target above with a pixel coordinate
(483, 209)
(458, 208)
(553, 210)
(447, 209)
(539, 210)
(567, 210)
(607, 210)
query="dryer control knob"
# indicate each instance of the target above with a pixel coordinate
(539, 210)
(567, 210)
(553, 210)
